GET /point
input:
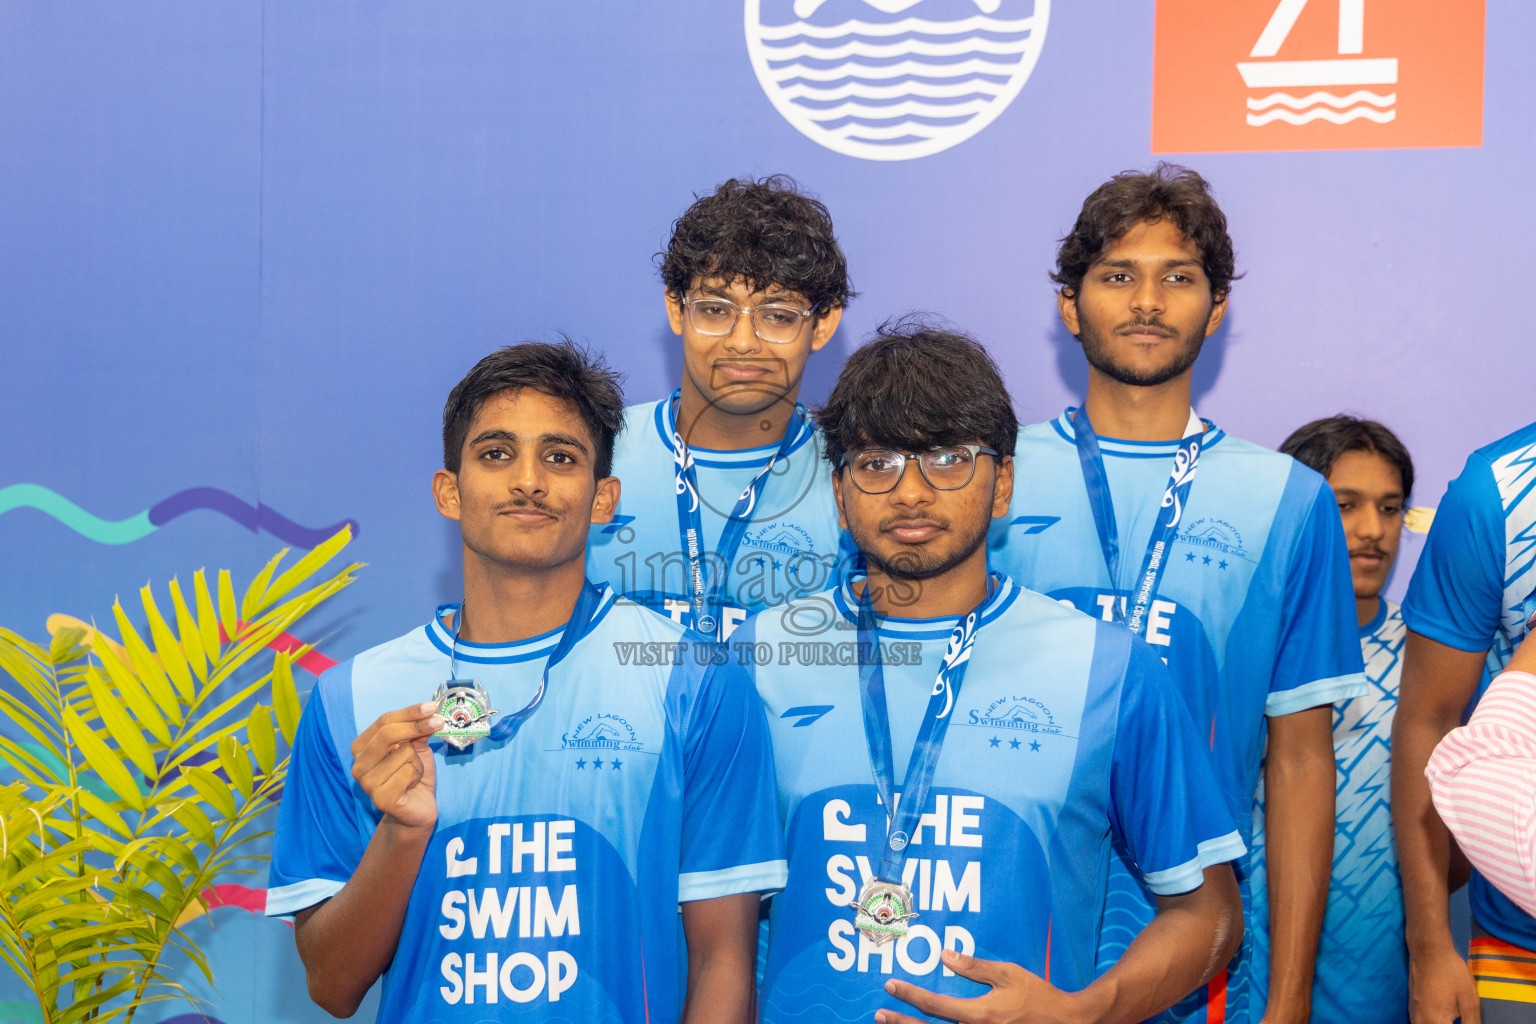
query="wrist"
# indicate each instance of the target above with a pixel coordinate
(1429, 939)
(1091, 1005)
(1288, 1011)
(402, 837)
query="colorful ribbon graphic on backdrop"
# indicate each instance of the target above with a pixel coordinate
(137, 527)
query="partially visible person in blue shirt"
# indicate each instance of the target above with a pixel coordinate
(727, 505)
(1362, 955)
(1469, 606)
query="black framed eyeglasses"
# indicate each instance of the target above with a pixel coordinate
(946, 468)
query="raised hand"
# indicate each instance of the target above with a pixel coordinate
(393, 763)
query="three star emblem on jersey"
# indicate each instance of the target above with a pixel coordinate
(893, 79)
(466, 711)
(1253, 75)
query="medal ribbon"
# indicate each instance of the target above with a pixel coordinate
(579, 624)
(706, 594)
(930, 735)
(1181, 478)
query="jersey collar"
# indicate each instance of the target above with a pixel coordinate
(665, 421)
(1383, 609)
(540, 646)
(1003, 595)
(1135, 449)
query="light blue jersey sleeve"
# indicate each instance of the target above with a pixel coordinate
(1317, 658)
(1456, 595)
(732, 840)
(320, 838)
(1165, 805)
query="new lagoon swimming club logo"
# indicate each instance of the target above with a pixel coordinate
(893, 79)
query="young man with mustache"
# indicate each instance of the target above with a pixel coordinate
(1362, 956)
(1238, 578)
(727, 508)
(1027, 735)
(519, 845)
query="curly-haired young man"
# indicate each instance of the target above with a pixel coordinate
(727, 508)
(1239, 579)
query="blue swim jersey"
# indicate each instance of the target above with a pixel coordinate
(1475, 590)
(792, 545)
(1066, 731)
(1362, 956)
(1255, 615)
(550, 889)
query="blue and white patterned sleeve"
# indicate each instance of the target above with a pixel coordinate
(319, 842)
(1456, 595)
(1317, 659)
(732, 839)
(1165, 804)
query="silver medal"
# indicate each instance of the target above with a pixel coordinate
(883, 910)
(466, 711)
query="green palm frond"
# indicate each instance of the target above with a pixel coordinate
(143, 766)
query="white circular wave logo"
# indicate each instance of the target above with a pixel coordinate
(893, 79)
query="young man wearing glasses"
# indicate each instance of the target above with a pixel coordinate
(1027, 733)
(726, 507)
(1239, 579)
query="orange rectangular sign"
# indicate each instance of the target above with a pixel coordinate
(1255, 75)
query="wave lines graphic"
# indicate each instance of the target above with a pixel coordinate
(1323, 114)
(137, 527)
(979, 23)
(858, 90)
(924, 72)
(920, 47)
(899, 88)
(1311, 99)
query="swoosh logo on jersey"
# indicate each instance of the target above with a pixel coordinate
(1034, 524)
(808, 714)
(619, 522)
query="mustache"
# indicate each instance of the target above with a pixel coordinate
(1369, 549)
(524, 504)
(893, 522)
(1146, 323)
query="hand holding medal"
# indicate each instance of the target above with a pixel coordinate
(393, 763)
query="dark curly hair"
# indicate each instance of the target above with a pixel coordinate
(1320, 443)
(917, 385)
(563, 370)
(1131, 198)
(766, 232)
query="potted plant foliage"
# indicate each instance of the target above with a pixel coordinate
(143, 765)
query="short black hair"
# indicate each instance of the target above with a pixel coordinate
(766, 232)
(1320, 443)
(564, 370)
(1133, 197)
(917, 385)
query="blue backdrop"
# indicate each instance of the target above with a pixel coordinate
(249, 246)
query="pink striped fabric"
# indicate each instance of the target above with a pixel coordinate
(1483, 778)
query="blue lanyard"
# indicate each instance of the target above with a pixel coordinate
(1181, 478)
(579, 625)
(930, 735)
(706, 575)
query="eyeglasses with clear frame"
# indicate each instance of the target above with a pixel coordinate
(774, 322)
(946, 468)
